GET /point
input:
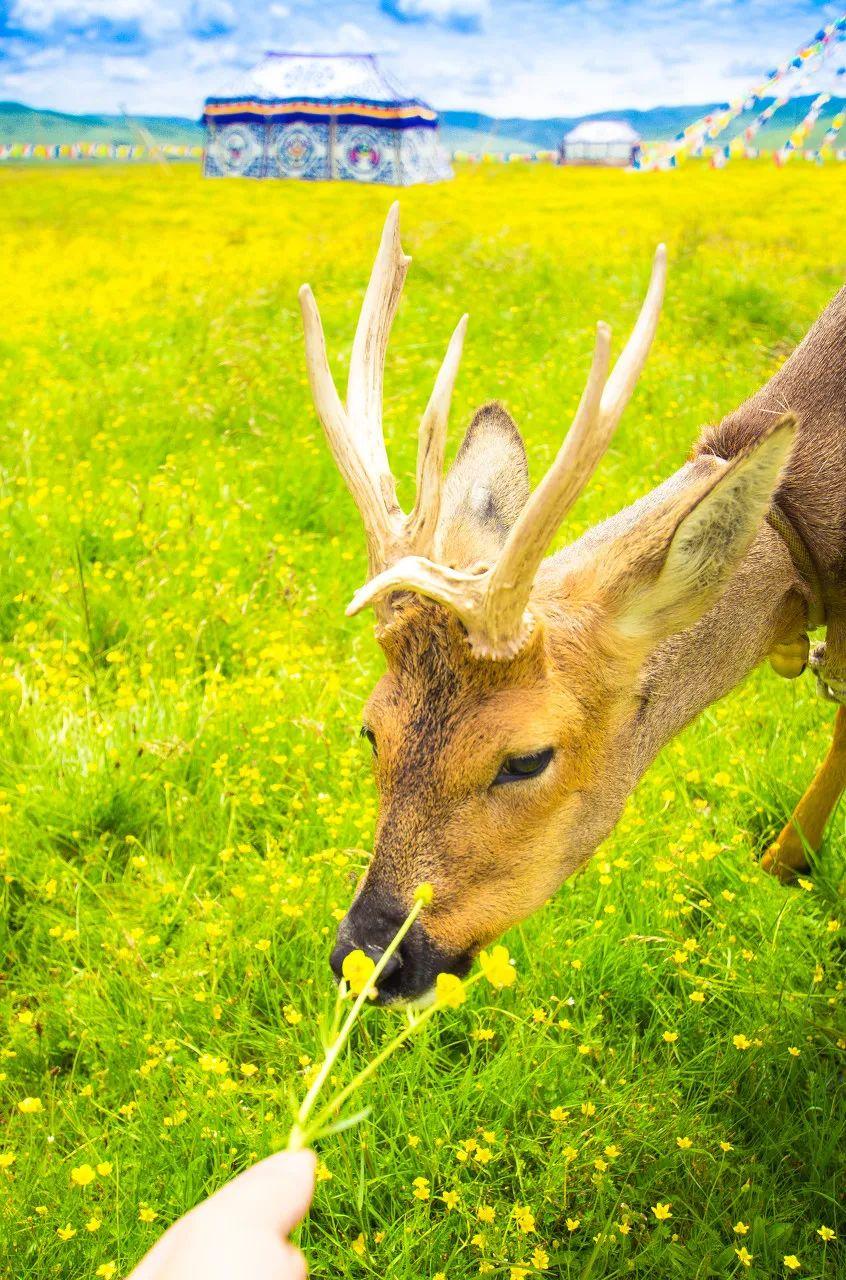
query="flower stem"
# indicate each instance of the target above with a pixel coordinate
(299, 1135)
(366, 1072)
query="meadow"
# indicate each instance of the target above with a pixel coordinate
(185, 802)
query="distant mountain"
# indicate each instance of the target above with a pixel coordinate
(658, 122)
(462, 130)
(27, 124)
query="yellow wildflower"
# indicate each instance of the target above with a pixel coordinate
(662, 1211)
(357, 970)
(82, 1175)
(30, 1106)
(449, 990)
(497, 967)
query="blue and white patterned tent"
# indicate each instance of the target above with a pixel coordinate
(319, 116)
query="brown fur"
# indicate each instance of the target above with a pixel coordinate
(638, 626)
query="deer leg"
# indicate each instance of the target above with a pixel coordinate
(787, 855)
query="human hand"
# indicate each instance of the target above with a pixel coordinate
(242, 1230)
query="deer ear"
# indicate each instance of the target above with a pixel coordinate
(484, 491)
(670, 568)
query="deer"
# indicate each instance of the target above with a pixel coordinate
(525, 694)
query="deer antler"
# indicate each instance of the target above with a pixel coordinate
(491, 603)
(354, 430)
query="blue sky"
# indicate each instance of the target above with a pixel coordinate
(506, 57)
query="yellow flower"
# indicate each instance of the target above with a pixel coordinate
(741, 1042)
(684, 1143)
(540, 1259)
(93, 1224)
(726, 1146)
(793, 1051)
(740, 1228)
(745, 1256)
(413, 1140)
(697, 997)
(66, 1232)
(612, 1151)
(146, 1214)
(518, 1273)
(450, 1199)
(662, 1211)
(559, 1115)
(357, 969)
(82, 1175)
(106, 1270)
(486, 1213)
(524, 1218)
(670, 1037)
(826, 1234)
(7, 1159)
(791, 1262)
(104, 1168)
(421, 1188)
(497, 967)
(570, 1154)
(30, 1106)
(449, 990)
(248, 1069)
(358, 1246)
(573, 1224)
(424, 893)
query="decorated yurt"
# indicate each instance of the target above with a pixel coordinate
(322, 116)
(611, 142)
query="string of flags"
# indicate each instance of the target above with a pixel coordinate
(506, 157)
(699, 137)
(796, 141)
(97, 151)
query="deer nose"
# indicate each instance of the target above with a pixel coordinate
(343, 948)
(370, 925)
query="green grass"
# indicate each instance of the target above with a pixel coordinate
(185, 802)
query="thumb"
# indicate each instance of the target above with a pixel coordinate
(274, 1194)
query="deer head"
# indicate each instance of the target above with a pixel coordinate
(504, 731)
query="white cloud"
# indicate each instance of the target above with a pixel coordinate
(450, 13)
(351, 38)
(126, 70)
(279, 11)
(43, 15)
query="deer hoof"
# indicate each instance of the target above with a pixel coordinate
(784, 863)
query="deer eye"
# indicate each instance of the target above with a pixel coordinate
(515, 768)
(370, 736)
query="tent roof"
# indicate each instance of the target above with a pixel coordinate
(340, 77)
(605, 131)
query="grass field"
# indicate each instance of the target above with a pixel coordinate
(185, 802)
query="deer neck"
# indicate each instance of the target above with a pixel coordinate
(764, 604)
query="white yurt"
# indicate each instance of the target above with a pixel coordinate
(316, 116)
(611, 142)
